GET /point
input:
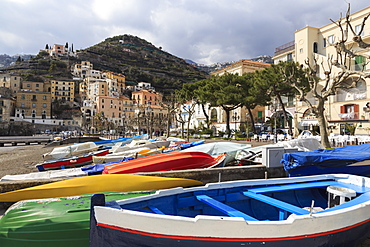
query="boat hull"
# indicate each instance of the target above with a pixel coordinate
(166, 162)
(63, 221)
(71, 161)
(125, 237)
(96, 184)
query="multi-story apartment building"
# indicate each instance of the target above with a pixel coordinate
(348, 105)
(7, 107)
(116, 83)
(33, 105)
(241, 67)
(13, 82)
(36, 86)
(147, 97)
(62, 90)
(96, 87)
(82, 70)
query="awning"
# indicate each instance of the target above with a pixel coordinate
(307, 123)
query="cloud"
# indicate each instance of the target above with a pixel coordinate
(205, 31)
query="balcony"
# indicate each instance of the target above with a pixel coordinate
(284, 48)
(349, 116)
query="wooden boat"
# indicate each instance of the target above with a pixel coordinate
(166, 162)
(57, 222)
(95, 184)
(322, 210)
(74, 161)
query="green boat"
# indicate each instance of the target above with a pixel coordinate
(63, 221)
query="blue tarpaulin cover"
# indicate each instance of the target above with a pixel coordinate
(98, 168)
(326, 158)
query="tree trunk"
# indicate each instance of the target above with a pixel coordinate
(285, 114)
(252, 120)
(322, 125)
(188, 128)
(182, 129)
(206, 115)
(228, 131)
(168, 123)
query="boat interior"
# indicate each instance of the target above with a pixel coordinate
(257, 203)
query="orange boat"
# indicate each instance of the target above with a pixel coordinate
(166, 162)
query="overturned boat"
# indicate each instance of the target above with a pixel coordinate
(166, 162)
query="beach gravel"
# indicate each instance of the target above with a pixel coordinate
(21, 159)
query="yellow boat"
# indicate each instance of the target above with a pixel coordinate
(97, 184)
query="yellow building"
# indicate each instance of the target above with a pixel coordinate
(348, 106)
(116, 83)
(238, 116)
(33, 105)
(241, 67)
(13, 82)
(7, 106)
(62, 90)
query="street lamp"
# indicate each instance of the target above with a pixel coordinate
(137, 113)
(149, 112)
(275, 113)
(235, 118)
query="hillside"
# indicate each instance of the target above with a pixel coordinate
(139, 61)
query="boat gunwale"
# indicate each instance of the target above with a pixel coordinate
(332, 180)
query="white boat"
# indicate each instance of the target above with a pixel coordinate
(72, 150)
(322, 210)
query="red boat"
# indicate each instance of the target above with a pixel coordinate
(68, 162)
(166, 162)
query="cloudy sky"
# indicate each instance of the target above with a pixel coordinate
(205, 31)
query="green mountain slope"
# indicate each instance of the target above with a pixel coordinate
(139, 61)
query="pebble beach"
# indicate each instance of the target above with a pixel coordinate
(21, 159)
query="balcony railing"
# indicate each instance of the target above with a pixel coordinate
(348, 116)
(284, 48)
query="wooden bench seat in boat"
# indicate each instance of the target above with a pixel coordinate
(282, 206)
(223, 207)
(285, 187)
(155, 210)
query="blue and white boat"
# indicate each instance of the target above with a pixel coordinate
(322, 210)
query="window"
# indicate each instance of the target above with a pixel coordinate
(358, 29)
(44, 97)
(23, 105)
(360, 63)
(33, 105)
(23, 96)
(1, 103)
(290, 57)
(259, 116)
(301, 50)
(349, 111)
(324, 42)
(44, 105)
(315, 48)
(331, 39)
